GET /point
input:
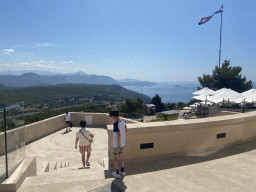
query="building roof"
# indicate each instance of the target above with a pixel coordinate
(170, 112)
(150, 105)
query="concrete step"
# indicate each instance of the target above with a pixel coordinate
(101, 161)
(68, 174)
(60, 178)
(76, 167)
(48, 166)
(41, 166)
(104, 163)
(75, 186)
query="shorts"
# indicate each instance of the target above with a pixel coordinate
(67, 121)
(86, 148)
(116, 150)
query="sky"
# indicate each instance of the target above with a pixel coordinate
(149, 40)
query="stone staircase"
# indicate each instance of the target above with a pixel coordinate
(59, 165)
(63, 173)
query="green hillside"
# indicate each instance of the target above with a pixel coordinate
(61, 95)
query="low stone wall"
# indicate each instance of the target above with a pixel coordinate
(28, 169)
(95, 119)
(15, 140)
(37, 130)
(31, 132)
(180, 138)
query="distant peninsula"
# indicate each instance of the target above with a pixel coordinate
(29, 78)
(134, 82)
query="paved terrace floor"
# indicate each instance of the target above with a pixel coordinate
(230, 169)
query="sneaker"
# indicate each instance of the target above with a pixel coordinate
(87, 163)
(117, 176)
(123, 173)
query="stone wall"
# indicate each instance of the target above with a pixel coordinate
(180, 137)
(37, 130)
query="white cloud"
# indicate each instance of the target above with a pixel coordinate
(5, 65)
(44, 45)
(8, 51)
(35, 65)
(67, 61)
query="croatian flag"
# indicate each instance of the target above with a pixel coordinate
(205, 19)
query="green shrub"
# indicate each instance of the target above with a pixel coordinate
(165, 116)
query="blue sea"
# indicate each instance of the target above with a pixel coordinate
(171, 92)
(179, 91)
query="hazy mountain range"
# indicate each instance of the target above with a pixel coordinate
(15, 79)
(48, 73)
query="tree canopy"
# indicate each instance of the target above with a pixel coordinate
(226, 77)
(66, 92)
(157, 101)
(169, 106)
(132, 106)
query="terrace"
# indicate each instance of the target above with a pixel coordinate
(208, 154)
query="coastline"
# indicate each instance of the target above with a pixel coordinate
(169, 91)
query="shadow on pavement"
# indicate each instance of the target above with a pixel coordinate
(83, 168)
(143, 166)
(116, 186)
(65, 132)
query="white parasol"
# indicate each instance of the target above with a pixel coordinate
(194, 105)
(220, 90)
(221, 101)
(249, 99)
(202, 97)
(204, 91)
(227, 94)
(250, 92)
(206, 103)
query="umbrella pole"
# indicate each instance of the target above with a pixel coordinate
(228, 104)
(205, 106)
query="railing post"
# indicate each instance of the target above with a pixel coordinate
(5, 136)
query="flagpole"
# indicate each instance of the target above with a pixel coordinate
(220, 39)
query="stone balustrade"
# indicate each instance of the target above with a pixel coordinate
(185, 137)
(37, 130)
(151, 140)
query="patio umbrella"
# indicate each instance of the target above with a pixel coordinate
(202, 97)
(249, 92)
(246, 100)
(220, 90)
(250, 98)
(207, 103)
(220, 101)
(227, 94)
(194, 105)
(187, 108)
(204, 91)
